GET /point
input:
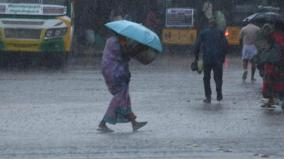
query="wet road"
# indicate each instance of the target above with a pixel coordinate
(54, 115)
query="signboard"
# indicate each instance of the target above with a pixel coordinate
(31, 9)
(27, 9)
(179, 17)
(179, 36)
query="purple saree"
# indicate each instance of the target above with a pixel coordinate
(116, 73)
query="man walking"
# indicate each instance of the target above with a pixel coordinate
(213, 44)
(248, 36)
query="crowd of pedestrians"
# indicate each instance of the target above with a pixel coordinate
(262, 47)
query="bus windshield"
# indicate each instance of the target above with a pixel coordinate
(51, 2)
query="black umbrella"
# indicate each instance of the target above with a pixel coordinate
(266, 17)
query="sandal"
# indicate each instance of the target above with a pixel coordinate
(104, 129)
(268, 106)
(138, 125)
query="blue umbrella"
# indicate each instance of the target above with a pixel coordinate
(136, 32)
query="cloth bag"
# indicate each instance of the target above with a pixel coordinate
(146, 57)
(197, 66)
(272, 55)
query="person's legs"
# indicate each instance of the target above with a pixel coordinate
(132, 118)
(218, 77)
(253, 68)
(103, 127)
(281, 98)
(206, 81)
(119, 109)
(268, 90)
(245, 69)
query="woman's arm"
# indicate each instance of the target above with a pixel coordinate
(134, 49)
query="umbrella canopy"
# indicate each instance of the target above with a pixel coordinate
(265, 17)
(136, 32)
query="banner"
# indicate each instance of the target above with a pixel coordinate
(179, 17)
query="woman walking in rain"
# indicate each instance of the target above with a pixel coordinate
(270, 59)
(115, 69)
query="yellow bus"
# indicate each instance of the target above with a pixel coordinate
(38, 27)
(180, 28)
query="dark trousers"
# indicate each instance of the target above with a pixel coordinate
(218, 78)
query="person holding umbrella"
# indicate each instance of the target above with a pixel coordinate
(270, 56)
(270, 59)
(115, 69)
